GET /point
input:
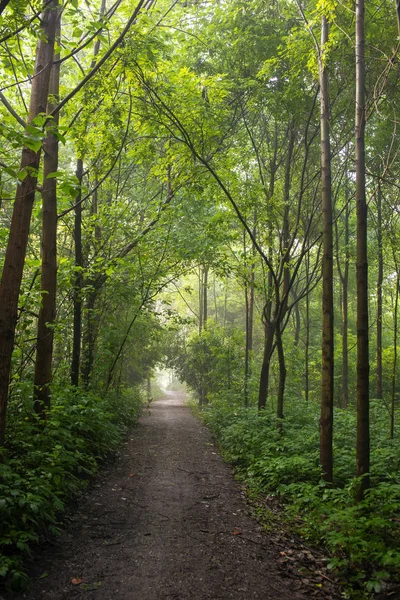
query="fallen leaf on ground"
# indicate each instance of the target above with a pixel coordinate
(76, 581)
(131, 474)
(237, 531)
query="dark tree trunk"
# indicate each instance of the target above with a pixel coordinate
(282, 373)
(77, 332)
(307, 352)
(379, 379)
(47, 313)
(394, 368)
(363, 438)
(345, 313)
(22, 211)
(326, 419)
(269, 331)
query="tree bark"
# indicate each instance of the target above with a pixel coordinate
(345, 314)
(48, 285)
(363, 437)
(205, 296)
(89, 338)
(22, 211)
(326, 419)
(379, 379)
(269, 331)
(394, 368)
(282, 373)
(77, 332)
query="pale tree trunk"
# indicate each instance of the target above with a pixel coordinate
(22, 211)
(326, 418)
(201, 303)
(48, 286)
(363, 438)
(205, 296)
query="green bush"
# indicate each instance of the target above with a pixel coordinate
(47, 464)
(283, 459)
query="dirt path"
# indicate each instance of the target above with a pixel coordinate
(166, 521)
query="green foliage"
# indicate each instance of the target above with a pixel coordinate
(46, 465)
(283, 459)
(212, 363)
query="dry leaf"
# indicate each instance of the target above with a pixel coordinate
(76, 581)
(131, 474)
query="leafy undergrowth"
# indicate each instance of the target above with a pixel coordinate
(362, 539)
(46, 466)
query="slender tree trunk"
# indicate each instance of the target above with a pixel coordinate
(201, 302)
(205, 296)
(246, 350)
(48, 286)
(78, 279)
(282, 372)
(345, 314)
(269, 331)
(226, 301)
(394, 369)
(22, 211)
(326, 419)
(379, 379)
(363, 439)
(77, 332)
(89, 338)
(297, 323)
(249, 301)
(215, 300)
(307, 351)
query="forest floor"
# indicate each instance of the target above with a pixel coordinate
(167, 520)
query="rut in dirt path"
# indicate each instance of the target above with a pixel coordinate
(166, 521)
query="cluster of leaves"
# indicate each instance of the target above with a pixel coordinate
(46, 465)
(283, 459)
(212, 362)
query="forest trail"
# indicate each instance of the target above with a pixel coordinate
(165, 521)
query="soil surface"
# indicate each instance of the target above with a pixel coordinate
(166, 520)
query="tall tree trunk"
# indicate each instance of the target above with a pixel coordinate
(379, 379)
(307, 350)
(205, 296)
(89, 338)
(249, 300)
(77, 331)
(78, 279)
(363, 439)
(269, 332)
(394, 368)
(48, 286)
(22, 211)
(345, 311)
(282, 372)
(326, 419)
(201, 303)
